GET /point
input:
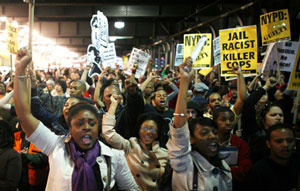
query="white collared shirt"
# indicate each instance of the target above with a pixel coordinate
(210, 178)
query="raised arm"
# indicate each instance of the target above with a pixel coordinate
(242, 89)
(253, 82)
(151, 76)
(108, 124)
(97, 90)
(181, 104)
(21, 97)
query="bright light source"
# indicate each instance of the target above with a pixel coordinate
(112, 38)
(3, 19)
(119, 24)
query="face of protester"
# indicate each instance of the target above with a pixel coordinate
(76, 89)
(263, 99)
(191, 113)
(148, 132)
(50, 86)
(205, 140)
(108, 92)
(84, 129)
(215, 101)
(278, 94)
(58, 88)
(75, 76)
(71, 101)
(149, 89)
(225, 122)
(234, 93)
(273, 116)
(281, 144)
(160, 99)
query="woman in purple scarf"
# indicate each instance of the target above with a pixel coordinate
(79, 161)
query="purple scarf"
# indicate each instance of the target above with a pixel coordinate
(83, 177)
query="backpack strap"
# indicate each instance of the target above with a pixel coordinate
(108, 162)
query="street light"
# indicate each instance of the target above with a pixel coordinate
(119, 24)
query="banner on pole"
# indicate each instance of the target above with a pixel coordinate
(294, 81)
(179, 54)
(238, 48)
(12, 37)
(204, 58)
(216, 49)
(275, 26)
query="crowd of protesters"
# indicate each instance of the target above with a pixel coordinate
(170, 129)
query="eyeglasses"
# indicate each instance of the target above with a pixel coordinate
(151, 129)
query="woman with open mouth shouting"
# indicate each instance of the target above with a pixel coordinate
(193, 147)
(79, 161)
(146, 159)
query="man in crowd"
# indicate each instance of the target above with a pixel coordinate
(279, 171)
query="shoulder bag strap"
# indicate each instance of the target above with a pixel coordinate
(108, 162)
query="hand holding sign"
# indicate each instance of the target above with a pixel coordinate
(186, 69)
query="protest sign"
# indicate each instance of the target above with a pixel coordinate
(97, 52)
(190, 42)
(179, 54)
(12, 38)
(95, 58)
(138, 59)
(216, 49)
(294, 81)
(99, 26)
(275, 26)
(286, 53)
(109, 56)
(205, 71)
(238, 48)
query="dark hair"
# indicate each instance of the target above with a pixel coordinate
(156, 117)
(82, 83)
(79, 107)
(278, 126)
(192, 104)
(7, 139)
(261, 115)
(204, 121)
(63, 85)
(105, 84)
(216, 112)
(158, 85)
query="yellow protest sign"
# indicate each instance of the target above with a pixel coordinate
(275, 26)
(205, 71)
(294, 81)
(190, 41)
(238, 47)
(12, 38)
